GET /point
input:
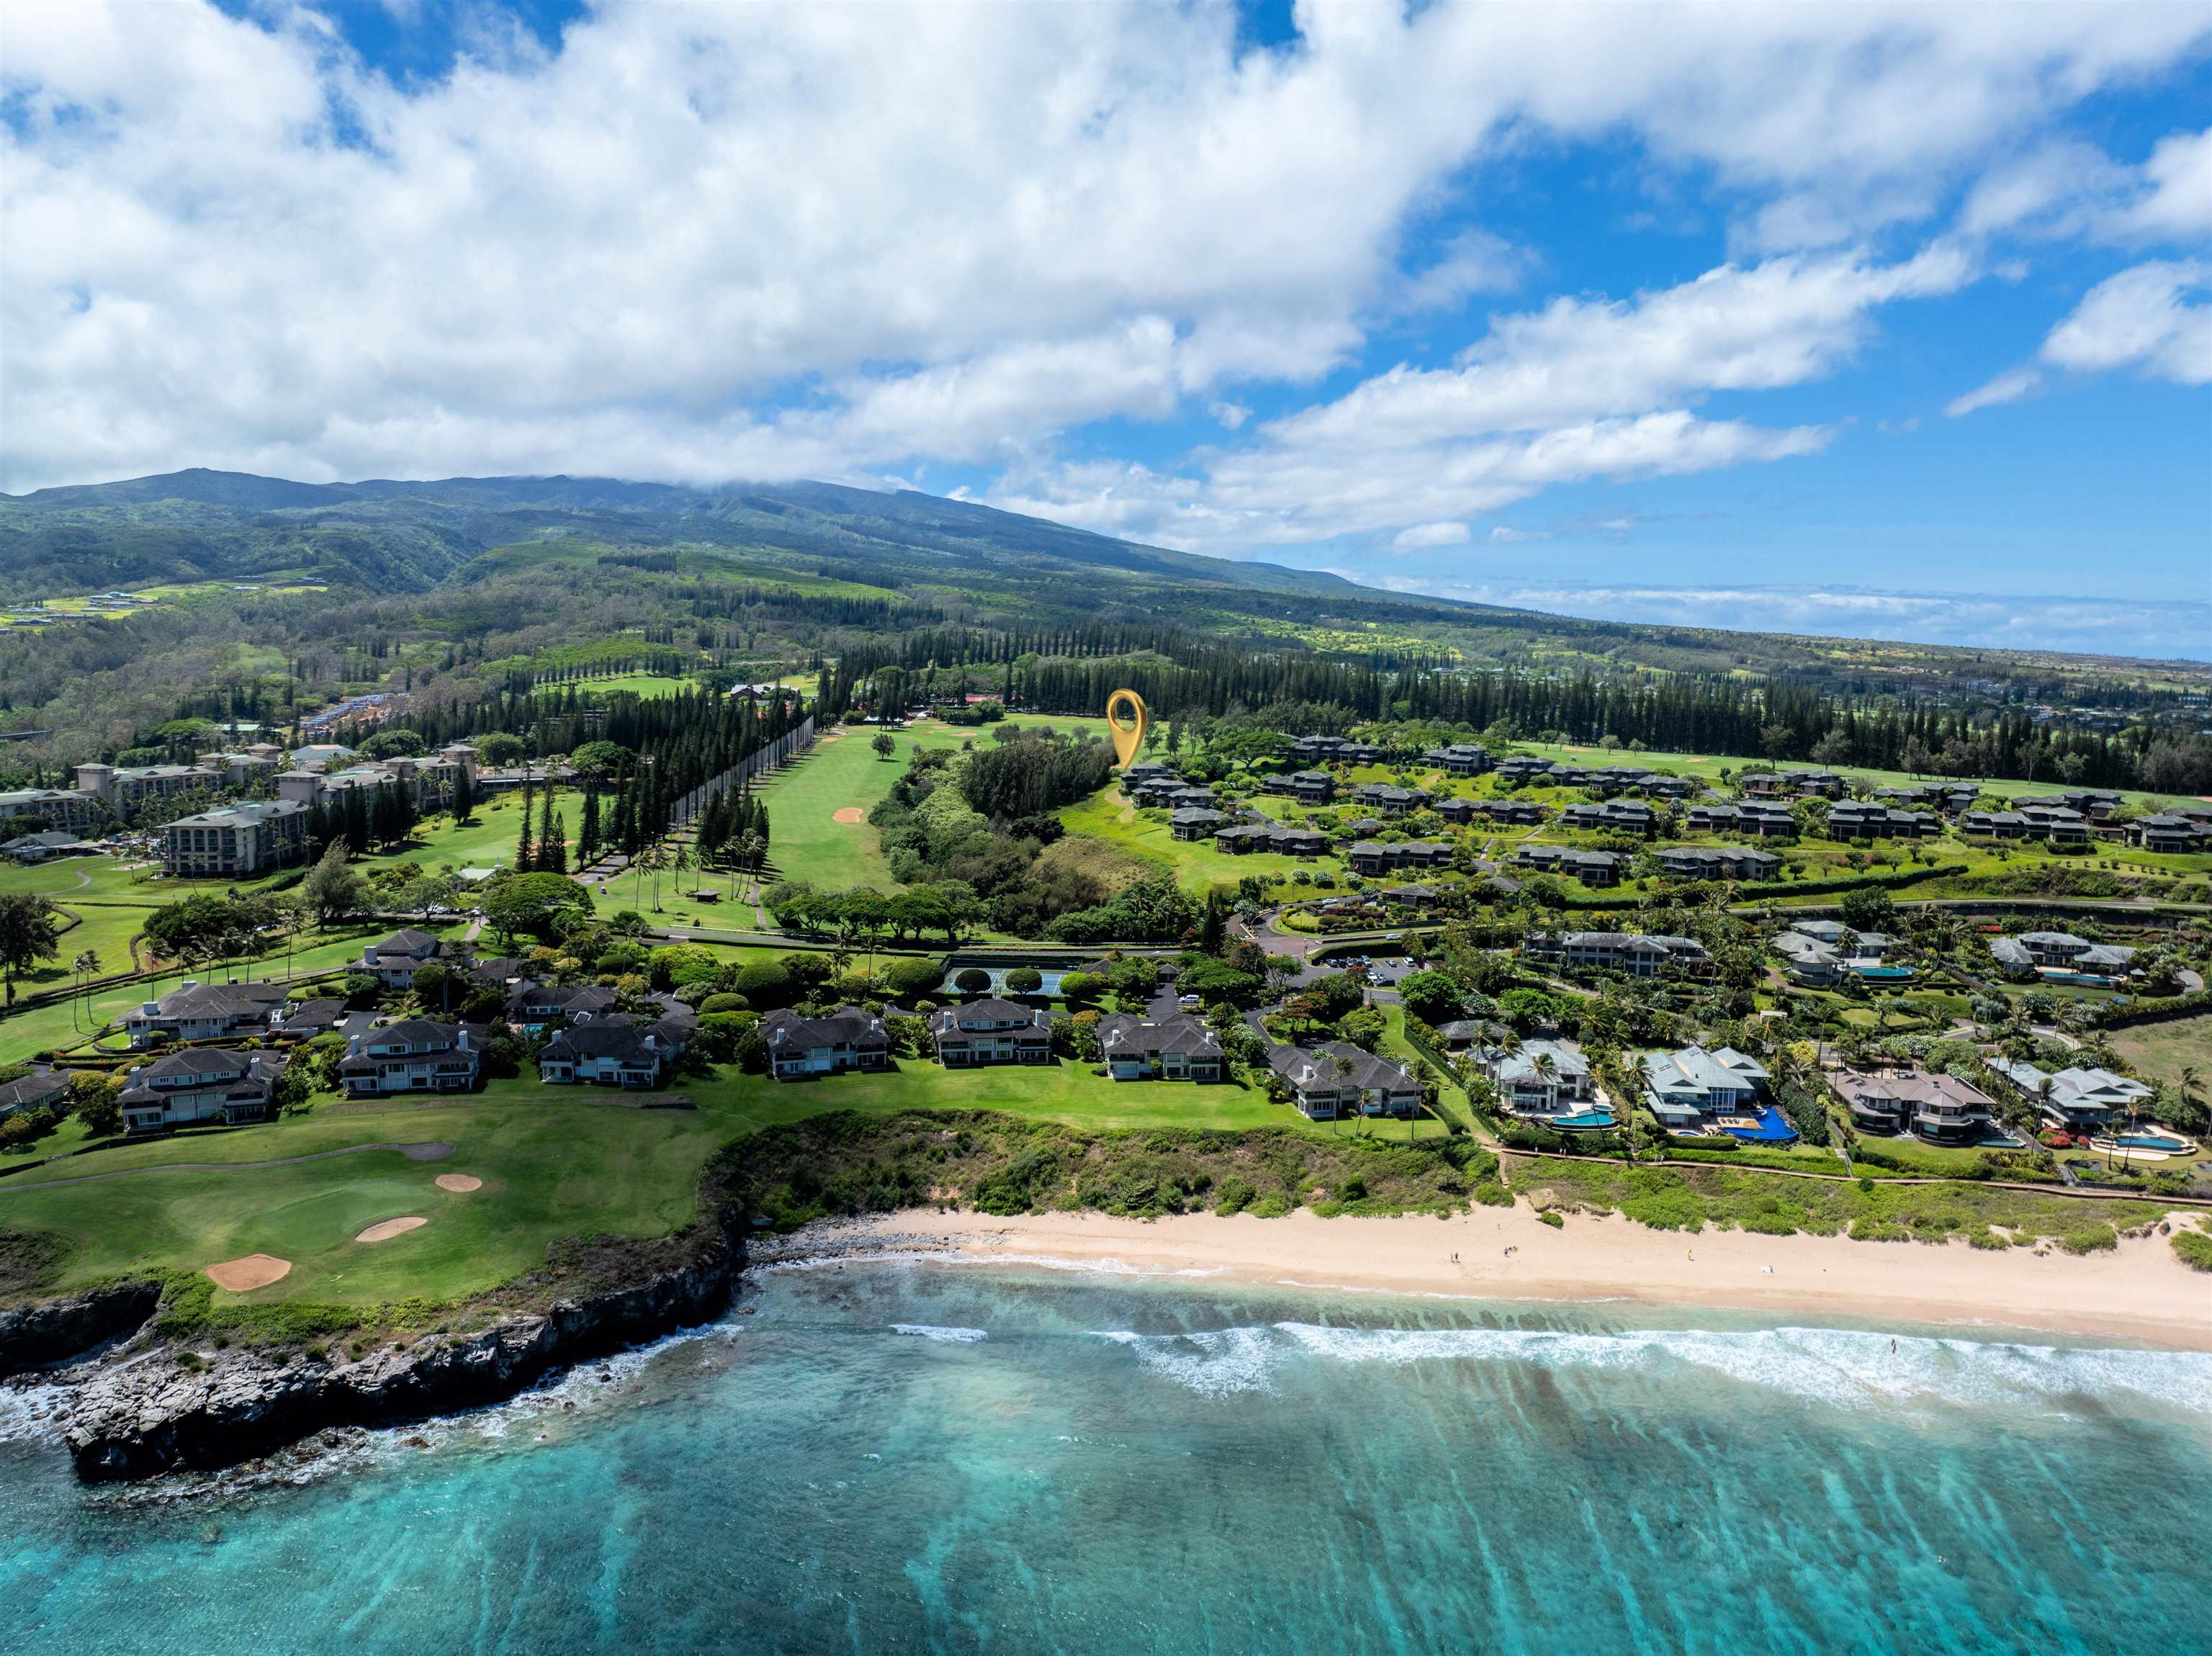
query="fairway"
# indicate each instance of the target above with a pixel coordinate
(529, 1165)
(1199, 864)
(842, 772)
(2162, 1051)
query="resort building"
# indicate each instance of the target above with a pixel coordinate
(38, 847)
(309, 1018)
(42, 1089)
(1340, 1079)
(1938, 1109)
(1538, 1077)
(122, 789)
(412, 1056)
(990, 1031)
(1389, 799)
(234, 841)
(1857, 818)
(77, 812)
(1307, 787)
(1174, 1048)
(1463, 811)
(1693, 1090)
(1592, 868)
(801, 1048)
(1637, 954)
(1764, 820)
(616, 1051)
(2075, 1100)
(1461, 759)
(206, 1084)
(1717, 862)
(2060, 824)
(2168, 833)
(1823, 952)
(1805, 785)
(1613, 816)
(1372, 857)
(1241, 837)
(2097, 805)
(1194, 822)
(1995, 824)
(206, 1011)
(1334, 750)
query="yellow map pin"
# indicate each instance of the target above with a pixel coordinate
(1126, 717)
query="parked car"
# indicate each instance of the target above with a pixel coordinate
(1189, 1002)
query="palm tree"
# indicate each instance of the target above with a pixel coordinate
(87, 962)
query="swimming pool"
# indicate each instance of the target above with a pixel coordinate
(1582, 1120)
(1773, 1127)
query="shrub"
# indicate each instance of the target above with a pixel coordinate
(1025, 980)
(912, 976)
(1236, 1196)
(2090, 1239)
(2195, 1248)
(1556, 1221)
(1493, 1196)
(725, 1003)
(972, 981)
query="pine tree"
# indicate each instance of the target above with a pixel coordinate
(465, 797)
(356, 822)
(553, 846)
(525, 856)
(588, 832)
(545, 832)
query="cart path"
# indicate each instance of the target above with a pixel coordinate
(427, 1151)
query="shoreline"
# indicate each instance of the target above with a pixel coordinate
(2140, 1293)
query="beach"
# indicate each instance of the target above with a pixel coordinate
(2140, 1292)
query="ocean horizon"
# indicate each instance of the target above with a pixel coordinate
(915, 1456)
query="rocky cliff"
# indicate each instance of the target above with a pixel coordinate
(170, 1407)
(55, 1330)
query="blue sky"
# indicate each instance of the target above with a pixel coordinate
(1895, 323)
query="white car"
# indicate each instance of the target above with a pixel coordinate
(1189, 1002)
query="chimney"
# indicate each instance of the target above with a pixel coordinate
(189, 983)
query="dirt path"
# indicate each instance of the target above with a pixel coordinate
(430, 1151)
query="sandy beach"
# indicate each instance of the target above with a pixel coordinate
(2141, 1292)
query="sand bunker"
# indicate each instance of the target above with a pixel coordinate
(254, 1271)
(462, 1182)
(384, 1231)
(850, 814)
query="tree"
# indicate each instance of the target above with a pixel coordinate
(1025, 980)
(465, 798)
(884, 744)
(500, 748)
(333, 887)
(972, 981)
(1433, 997)
(526, 852)
(93, 1100)
(29, 928)
(530, 903)
(1868, 908)
(587, 831)
(87, 962)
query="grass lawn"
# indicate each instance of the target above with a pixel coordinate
(842, 772)
(2160, 1051)
(553, 1166)
(648, 685)
(1198, 865)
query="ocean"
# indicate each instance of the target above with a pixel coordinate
(917, 1456)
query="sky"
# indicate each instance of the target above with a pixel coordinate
(1890, 321)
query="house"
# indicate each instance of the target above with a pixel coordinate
(2062, 954)
(37, 847)
(2076, 1100)
(42, 1089)
(2060, 824)
(394, 962)
(1660, 785)
(1809, 960)
(1174, 1048)
(537, 1006)
(1638, 954)
(1334, 750)
(1692, 1089)
(2161, 832)
(1412, 895)
(1938, 1109)
(309, 1018)
(616, 1051)
(201, 1084)
(1522, 768)
(235, 841)
(1469, 1032)
(1592, 868)
(1195, 823)
(1711, 816)
(1389, 799)
(1859, 819)
(1307, 787)
(1241, 837)
(1809, 785)
(1538, 1077)
(1144, 771)
(990, 1031)
(1523, 811)
(2096, 804)
(1613, 816)
(1996, 824)
(412, 1056)
(1717, 862)
(1338, 1079)
(1371, 857)
(206, 1011)
(1765, 820)
(800, 1048)
(1461, 759)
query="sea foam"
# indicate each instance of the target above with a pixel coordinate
(942, 1336)
(1845, 1368)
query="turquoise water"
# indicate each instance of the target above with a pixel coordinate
(919, 1457)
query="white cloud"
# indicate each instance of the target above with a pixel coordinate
(2065, 188)
(2008, 387)
(2178, 202)
(703, 242)
(1503, 533)
(1422, 536)
(2155, 320)
(1232, 415)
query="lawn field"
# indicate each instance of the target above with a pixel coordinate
(2160, 1051)
(553, 1165)
(1198, 866)
(842, 772)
